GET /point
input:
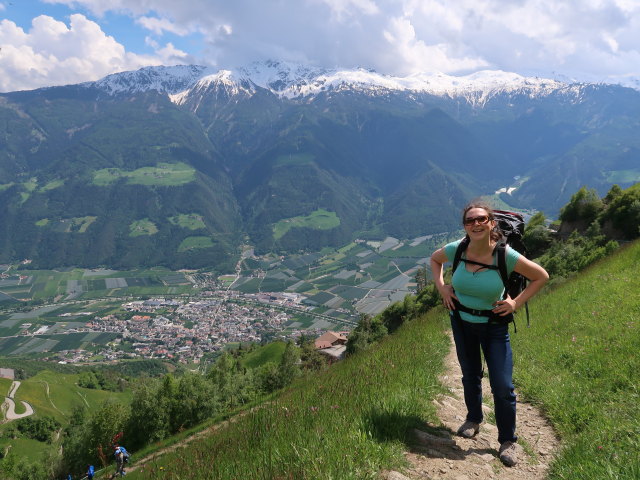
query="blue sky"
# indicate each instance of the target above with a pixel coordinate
(56, 42)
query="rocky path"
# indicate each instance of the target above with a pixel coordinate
(439, 454)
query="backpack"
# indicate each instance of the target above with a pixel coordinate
(511, 226)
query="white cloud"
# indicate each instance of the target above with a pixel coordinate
(421, 57)
(161, 25)
(575, 37)
(345, 8)
(52, 53)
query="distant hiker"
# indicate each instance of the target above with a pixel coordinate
(90, 472)
(480, 312)
(122, 457)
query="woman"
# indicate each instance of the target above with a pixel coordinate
(477, 287)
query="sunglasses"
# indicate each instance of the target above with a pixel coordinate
(482, 219)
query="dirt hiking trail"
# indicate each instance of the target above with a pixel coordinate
(445, 456)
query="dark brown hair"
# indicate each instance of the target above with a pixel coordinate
(495, 233)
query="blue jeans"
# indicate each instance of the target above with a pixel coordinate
(493, 339)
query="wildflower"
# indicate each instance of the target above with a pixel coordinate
(573, 339)
(314, 409)
(600, 447)
(334, 406)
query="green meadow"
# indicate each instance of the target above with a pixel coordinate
(579, 361)
(191, 243)
(164, 174)
(321, 219)
(55, 394)
(271, 352)
(142, 227)
(294, 159)
(623, 176)
(192, 221)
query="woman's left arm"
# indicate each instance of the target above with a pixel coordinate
(537, 277)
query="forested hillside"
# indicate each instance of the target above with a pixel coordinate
(180, 174)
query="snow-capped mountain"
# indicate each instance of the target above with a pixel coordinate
(162, 79)
(290, 80)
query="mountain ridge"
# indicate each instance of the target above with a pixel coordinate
(298, 81)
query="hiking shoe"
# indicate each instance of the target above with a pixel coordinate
(509, 453)
(469, 429)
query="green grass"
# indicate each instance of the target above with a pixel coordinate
(31, 184)
(5, 384)
(349, 422)
(52, 185)
(191, 243)
(294, 159)
(25, 447)
(142, 227)
(271, 352)
(580, 361)
(63, 394)
(321, 219)
(67, 225)
(623, 176)
(192, 221)
(164, 174)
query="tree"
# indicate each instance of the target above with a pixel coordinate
(537, 237)
(84, 442)
(421, 278)
(310, 358)
(584, 207)
(289, 367)
(369, 330)
(193, 402)
(623, 211)
(266, 377)
(149, 420)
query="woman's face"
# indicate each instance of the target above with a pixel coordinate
(477, 223)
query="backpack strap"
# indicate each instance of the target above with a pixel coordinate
(502, 268)
(501, 250)
(462, 246)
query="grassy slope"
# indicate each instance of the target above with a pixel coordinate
(580, 361)
(271, 352)
(348, 422)
(64, 394)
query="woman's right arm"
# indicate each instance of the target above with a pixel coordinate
(438, 259)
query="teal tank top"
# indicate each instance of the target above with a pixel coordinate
(478, 290)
